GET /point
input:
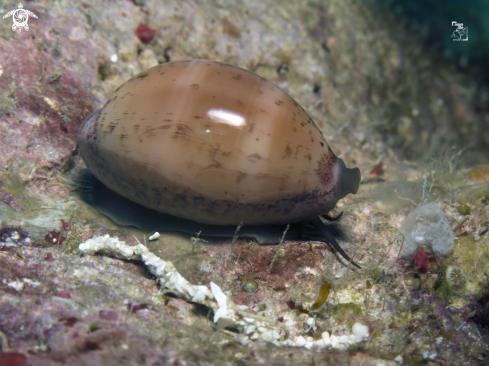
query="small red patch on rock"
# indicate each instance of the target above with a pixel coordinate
(68, 322)
(66, 226)
(145, 33)
(422, 260)
(377, 170)
(12, 359)
(64, 295)
(54, 237)
(49, 257)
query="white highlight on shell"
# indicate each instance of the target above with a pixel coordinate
(114, 58)
(226, 313)
(227, 117)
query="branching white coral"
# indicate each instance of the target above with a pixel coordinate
(166, 273)
(227, 314)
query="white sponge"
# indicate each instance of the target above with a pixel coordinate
(427, 227)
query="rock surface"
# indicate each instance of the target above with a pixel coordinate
(374, 90)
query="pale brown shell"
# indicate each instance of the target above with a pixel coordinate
(216, 144)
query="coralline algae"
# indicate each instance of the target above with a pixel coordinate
(427, 227)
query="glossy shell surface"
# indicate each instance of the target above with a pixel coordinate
(216, 144)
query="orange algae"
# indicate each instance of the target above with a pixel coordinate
(480, 173)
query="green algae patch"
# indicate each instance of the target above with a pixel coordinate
(472, 256)
(462, 273)
(471, 193)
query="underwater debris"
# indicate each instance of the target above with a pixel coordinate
(427, 226)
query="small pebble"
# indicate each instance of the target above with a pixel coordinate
(464, 210)
(434, 267)
(250, 286)
(114, 58)
(155, 236)
(360, 330)
(416, 283)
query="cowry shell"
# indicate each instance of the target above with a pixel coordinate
(216, 144)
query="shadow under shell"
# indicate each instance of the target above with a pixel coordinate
(128, 213)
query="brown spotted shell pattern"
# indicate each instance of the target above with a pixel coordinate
(216, 144)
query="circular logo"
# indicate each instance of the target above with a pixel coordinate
(20, 18)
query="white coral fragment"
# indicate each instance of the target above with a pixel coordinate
(360, 330)
(164, 270)
(226, 313)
